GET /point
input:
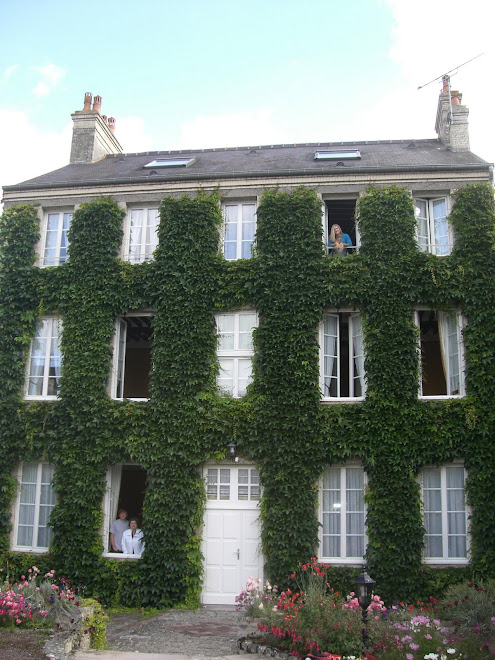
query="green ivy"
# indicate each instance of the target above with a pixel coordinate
(280, 424)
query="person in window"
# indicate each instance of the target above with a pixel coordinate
(117, 528)
(132, 539)
(338, 242)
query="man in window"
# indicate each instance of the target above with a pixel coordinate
(117, 529)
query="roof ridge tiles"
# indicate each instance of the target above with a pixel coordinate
(300, 145)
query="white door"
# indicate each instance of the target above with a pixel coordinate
(231, 534)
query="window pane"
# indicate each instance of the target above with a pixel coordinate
(355, 546)
(441, 229)
(225, 380)
(225, 329)
(431, 478)
(24, 535)
(455, 477)
(245, 370)
(457, 547)
(26, 514)
(331, 546)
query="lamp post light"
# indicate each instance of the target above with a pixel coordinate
(364, 590)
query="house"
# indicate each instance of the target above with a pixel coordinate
(176, 341)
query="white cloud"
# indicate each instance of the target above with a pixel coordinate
(28, 152)
(51, 75)
(132, 135)
(232, 130)
(9, 71)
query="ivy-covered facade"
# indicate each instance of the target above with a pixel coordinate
(198, 308)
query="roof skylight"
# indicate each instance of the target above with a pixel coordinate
(337, 154)
(171, 162)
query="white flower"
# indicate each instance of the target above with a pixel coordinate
(260, 606)
(451, 651)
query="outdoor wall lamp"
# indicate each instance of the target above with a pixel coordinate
(231, 449)
(364, 591)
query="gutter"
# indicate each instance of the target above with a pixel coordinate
(480, 167)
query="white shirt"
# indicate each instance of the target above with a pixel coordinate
(132, 545)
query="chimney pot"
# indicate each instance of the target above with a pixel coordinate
(456, 98)
(87, 101)
(111, 124)
(445, 81)
(97, 104)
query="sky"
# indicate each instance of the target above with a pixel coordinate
(195, 74)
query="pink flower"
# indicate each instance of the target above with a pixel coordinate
(409, 656)
(414, 646)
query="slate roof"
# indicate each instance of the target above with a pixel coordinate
(273, 160)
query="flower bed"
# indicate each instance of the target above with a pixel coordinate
(37, 601)
(313, 619)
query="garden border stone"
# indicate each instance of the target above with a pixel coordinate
(248, 644)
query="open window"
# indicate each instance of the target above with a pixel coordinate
(441, 351)
(126, 488)
(342, 357)
(132, 357)
(342, 212)
(434, 231)
(343, 514)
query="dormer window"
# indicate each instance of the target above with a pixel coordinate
(171, 162)
(338, 154)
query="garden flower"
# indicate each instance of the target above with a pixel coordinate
(414, 646)
(409, 656)
(451, 651)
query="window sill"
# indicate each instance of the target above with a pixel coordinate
(120, 556)
(34, 551)
(446, 562)
(32, 397)
(130, 398)
(336, 561)
(348, 399)
(439, 397)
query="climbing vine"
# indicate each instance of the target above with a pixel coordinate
(280, 424)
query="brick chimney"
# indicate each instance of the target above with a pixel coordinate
(92, 134)
(452, 119)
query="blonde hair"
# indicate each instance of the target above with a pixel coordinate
(332, 233)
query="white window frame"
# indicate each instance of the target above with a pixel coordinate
(446, 532)
(116, 381)
(239, 224)
(445, 318)
(325, 220)
(110, 502)
(353, 325)
(33, 547)
(52, 321)
(232, 485)
(236, 354)
(343, 535)
(150, 217)
(57, 259)
(431, 245)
